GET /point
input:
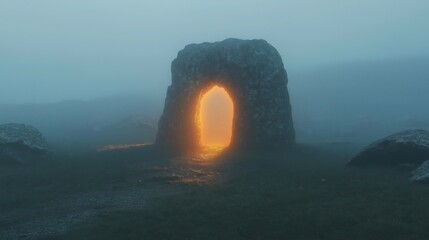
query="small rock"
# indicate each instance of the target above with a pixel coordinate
(21, 143)
(421, 174)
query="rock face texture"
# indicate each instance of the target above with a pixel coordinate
(20, 143)
(252, 72)
(408, 147)
(421, 174)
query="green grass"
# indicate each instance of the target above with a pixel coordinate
(305, 193)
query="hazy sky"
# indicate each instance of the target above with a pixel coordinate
(53, 50)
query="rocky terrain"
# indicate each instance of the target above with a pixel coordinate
(20, 143)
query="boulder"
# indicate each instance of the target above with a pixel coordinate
(21, 143)
(421, 174)
(408, 147)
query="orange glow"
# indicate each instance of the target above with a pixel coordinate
(216, 113)
(119, 146)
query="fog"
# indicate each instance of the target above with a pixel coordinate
(357, 69)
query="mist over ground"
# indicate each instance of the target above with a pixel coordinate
(357, 70)
(89, 74)
(349, 102)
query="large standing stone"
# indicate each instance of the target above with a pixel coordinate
(408, 147)
(252, 72)
(20, 143)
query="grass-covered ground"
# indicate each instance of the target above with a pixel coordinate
(303, 193)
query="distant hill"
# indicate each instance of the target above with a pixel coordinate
(360, 100)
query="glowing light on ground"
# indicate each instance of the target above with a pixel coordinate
(119, 146)
(216, 114)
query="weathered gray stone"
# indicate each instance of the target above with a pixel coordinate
(421, 174)
(253, 74)
(20, 143)
(408, 147)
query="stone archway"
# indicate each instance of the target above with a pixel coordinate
(252, 72)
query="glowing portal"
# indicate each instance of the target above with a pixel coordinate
(216, 113)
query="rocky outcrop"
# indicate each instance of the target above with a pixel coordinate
(252, 72)
(408, 147)
(20, 143)
(421, 174)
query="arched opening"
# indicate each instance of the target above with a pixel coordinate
(215, 117)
